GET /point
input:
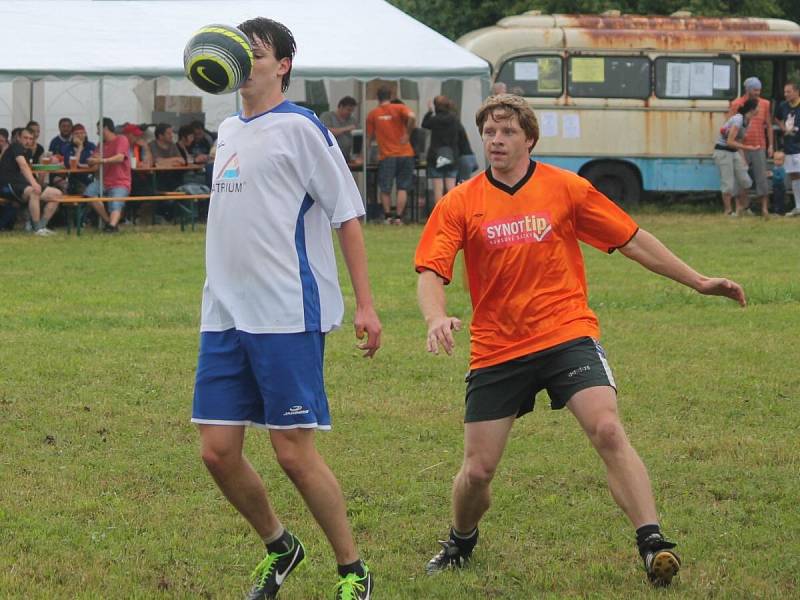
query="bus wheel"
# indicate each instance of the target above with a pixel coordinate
(617, 181)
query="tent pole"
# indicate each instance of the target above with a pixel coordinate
(100, 141)
(30, 99)
(364, 148)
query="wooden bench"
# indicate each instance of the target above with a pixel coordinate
(190, 213)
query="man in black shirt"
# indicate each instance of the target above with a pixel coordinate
(18, 183)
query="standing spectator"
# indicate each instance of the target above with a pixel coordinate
(341, 124)
(443, 150)
(4, 140)
(778, 175)
(788, 115)
(18, 183)
(116, 167)
(391, 125)
(499, 87)
(759, 134)
(82, 149)
(467, 163)
(63, 137)
(37, 148)
(728, 157)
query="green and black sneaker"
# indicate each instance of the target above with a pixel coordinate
(660, 562)
(270, 573)
(353, 587)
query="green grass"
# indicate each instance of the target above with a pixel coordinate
(102, 493)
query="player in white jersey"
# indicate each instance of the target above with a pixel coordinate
(271, 294)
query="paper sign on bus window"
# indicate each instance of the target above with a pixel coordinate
(722, 77)
(702, 76)
(677, 79)
(548, 124)
(526, 71)
(588, 70)
(550, 74)
(571, 124)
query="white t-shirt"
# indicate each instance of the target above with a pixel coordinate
(280, 182)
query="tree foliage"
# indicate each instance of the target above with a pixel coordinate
(454, 18)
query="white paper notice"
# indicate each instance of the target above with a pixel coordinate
(701, 80)
(548, 124)
(571, 126)
(526, 71)
(677, 79)
(722, 77)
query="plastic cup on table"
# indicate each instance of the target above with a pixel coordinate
(73, 162)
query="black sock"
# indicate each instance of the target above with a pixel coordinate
(283, 544)
(354, 567)
(645, 531)
(465, 541)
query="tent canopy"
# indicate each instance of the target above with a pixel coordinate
(362, 39)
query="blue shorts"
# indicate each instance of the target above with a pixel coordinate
(93, 190)
(271, 380)
(400, 168)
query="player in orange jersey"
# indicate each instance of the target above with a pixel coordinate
(519, 224)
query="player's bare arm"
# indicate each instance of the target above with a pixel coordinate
(432, 303)
(649, 252)
(366, 319)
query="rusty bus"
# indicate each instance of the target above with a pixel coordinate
(634, 103)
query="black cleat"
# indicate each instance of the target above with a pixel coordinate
(449, 557)
(353, 587)
(660, 562)
(270, 573)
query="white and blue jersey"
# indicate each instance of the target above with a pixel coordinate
(272, 290)
(280, 182)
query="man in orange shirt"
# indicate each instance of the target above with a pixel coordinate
(519, 224)
(759, 133)
(392, 124)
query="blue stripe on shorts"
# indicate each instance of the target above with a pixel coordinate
(271, 380)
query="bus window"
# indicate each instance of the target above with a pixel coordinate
(793, 70)
(609, 77)
(709, 78)
(533, 75)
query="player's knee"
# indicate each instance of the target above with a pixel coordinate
(478, 474)
(219, 460)
(609, 435)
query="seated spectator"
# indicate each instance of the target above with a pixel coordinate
(37, 148)
(15, 134)
(19, 184)
(201, 142)
(63, 138)
(82, 150)
(116, 167)
(139, 150)
(165, 153)
(4, 140)
(341, 124)
(191, 179)
(185, 140)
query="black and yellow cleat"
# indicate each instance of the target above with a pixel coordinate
(660, 562)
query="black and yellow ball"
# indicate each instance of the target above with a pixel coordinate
(218, 59)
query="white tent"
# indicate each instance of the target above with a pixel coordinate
(63, 57)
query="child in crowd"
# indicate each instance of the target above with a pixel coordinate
(778, 175)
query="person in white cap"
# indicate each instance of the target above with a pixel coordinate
(758, 134)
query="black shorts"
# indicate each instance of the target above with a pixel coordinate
(14, 191)
(510, 388)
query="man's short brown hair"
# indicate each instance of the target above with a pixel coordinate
(504, 106)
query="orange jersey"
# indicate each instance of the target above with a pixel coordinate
(389, 124)
(526, 275)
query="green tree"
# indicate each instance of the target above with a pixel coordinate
(454, 18)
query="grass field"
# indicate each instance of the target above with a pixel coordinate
(102, 493)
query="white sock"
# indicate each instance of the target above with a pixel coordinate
(796, 193)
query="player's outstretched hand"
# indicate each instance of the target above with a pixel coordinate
(717, 286)
(367, 323)
(440, 333)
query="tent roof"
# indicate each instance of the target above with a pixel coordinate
(365, 39)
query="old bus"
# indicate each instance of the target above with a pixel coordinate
(634, 103)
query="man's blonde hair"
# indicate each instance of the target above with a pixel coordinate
(504, 106)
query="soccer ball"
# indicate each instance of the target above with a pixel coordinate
(218, 59)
